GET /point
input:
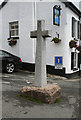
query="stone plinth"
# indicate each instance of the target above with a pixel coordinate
(47, 94)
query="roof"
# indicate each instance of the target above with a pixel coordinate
(73, 8)
(68, 4)
(3, 4)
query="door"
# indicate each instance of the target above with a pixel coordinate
(79, 63)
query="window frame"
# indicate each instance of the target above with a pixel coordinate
(57, 8)
(74, 61)
(75, 28)
(14, 24)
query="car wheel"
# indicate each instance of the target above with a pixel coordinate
(10, 67)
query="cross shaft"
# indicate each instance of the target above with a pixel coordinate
(40, 61)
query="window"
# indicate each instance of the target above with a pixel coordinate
(75, 28)
(74, 60)
(56, 15)
(14, 29)
(3, 54)
(80, 31)
(0, 53)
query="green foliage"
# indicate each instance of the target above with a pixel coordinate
(17, 95)
(57, 100)
(31, 99)
(12, 42)
(56, 40)
(72, 43)
(34, 100)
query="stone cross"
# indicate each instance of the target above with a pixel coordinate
(40, 60)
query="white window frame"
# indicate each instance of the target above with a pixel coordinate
(75, 61)
(14, 26)
(75, 29)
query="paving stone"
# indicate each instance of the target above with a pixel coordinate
(62, 106)
(25, 112)
(72, 100)
(6, 100)
(15, 105)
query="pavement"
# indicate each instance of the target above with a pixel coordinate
(14, 106)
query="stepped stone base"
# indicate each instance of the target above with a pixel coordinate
(47, 94)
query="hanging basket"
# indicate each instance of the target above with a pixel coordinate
(72, 43)
(78, 48)
(56, 40)
(12, 42)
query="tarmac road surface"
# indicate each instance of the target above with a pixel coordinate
(14, 106)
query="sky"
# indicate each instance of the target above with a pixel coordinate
(76, 2)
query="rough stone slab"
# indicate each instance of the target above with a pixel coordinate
(47, 94)
(72, 100)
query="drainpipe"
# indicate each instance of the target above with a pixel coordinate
(34, 27)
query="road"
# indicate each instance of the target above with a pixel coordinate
(14, 106)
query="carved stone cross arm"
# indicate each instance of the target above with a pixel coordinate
(45, 33)
(33, 34)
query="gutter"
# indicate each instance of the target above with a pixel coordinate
(73, 8)
(3, 4)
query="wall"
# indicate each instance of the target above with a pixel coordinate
(10, 13)
(0, 29)
(45, 11)
(26, 17)
(22, 12)
(70, 14)
(27, 13)
(80, 5)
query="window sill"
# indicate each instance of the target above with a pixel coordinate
(74, 69)
(13, 38)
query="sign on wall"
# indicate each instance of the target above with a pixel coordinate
(58, 62)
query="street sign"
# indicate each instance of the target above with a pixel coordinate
(58, 62)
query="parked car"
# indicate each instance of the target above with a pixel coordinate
(9, 62)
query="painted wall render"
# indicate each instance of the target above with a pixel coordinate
(27, 13)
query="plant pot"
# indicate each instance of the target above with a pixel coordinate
(72, 43)
(12, 42)
(78, 48)
(56, 40)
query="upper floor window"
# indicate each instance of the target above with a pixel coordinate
(14, 29)
(80, 31)
(75, 28)
(56, 15)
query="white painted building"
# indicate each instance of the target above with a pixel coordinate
(19, 18)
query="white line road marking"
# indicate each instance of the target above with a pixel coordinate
(4, 82)
(6, 76)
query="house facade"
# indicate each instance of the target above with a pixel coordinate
(63, 18)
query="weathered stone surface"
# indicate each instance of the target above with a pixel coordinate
(72, 100)
(40, 61)
(47, 94)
